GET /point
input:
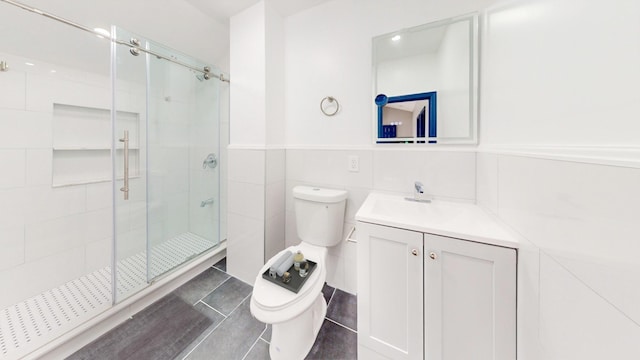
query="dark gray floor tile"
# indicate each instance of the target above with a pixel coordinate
(198, 287)
(267, 334)
(222, 264)
(260, 351)
(215, 316)
(228, 295)
(334, 342)
(327, 292)
(343, 309)
(161, 331)
(233, 338)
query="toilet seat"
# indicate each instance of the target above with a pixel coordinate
(271, 303)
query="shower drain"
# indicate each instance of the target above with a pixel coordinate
(32, 323)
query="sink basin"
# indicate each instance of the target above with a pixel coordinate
(392, 207)
(439, 217)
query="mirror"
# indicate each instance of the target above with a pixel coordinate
(425, 83)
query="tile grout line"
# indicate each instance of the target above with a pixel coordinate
(243, 300)
(214, 289)
(254, 343)
(204, 338)
(210, 307)
(331, 298)
(344, 326)
(214, 329)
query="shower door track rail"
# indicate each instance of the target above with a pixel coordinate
(206, 70)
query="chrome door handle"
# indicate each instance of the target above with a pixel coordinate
(125, 140)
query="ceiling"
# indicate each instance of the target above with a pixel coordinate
(222, 10)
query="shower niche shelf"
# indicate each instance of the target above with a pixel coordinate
(81, 152)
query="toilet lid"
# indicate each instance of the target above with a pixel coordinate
(269, 296)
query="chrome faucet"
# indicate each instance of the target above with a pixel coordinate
(207, 202)
(418, 193)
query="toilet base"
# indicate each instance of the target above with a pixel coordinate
(293, 339)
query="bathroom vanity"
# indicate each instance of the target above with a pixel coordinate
(435, 281)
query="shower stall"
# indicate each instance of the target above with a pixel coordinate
(110, 151)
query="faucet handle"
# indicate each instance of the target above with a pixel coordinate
(419, 187)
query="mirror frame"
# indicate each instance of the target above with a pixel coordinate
(472, 139)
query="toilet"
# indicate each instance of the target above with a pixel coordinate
(297, 318)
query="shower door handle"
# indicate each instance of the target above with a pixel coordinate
(125, 140)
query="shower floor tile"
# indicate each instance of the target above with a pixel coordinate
(219, 325)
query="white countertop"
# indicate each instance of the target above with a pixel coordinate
(446, 218)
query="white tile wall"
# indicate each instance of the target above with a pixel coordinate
(246, 213)
(275, 202)
(12, 245)
(577, 323)
(44, 228)
(245, 246)
(445, 174)
(12, 96)
(577, 273)
(12, 163)
(39, 167)
(25, 129)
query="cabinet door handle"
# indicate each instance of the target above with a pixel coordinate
(415, 252)
(433, 255)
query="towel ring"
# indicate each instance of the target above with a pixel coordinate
(331, 99)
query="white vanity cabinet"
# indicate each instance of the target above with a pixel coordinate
(424, 296)
(390, 293)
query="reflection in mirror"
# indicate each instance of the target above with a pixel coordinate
(440, 58)
(407, 118)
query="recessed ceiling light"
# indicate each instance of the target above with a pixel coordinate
(396, 38)
(30, 64)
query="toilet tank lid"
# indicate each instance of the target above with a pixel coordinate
(317, 194)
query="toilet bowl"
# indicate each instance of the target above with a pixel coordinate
(296, 318)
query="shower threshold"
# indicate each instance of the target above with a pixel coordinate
(32, 323)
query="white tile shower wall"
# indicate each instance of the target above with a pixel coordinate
(246, 213)
(581, 218)
(49, 235)
(446, 175)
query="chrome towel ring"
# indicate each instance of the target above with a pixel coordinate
(327, 109)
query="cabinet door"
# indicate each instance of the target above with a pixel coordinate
(470, 300)
(390, 293)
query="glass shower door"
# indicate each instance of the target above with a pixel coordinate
(182, 161)
(165, 136)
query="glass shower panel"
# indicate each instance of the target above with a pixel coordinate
(182, 154)
(55, 203)
(166, 126)
(130, 132)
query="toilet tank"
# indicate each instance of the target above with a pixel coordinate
(319, 214)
